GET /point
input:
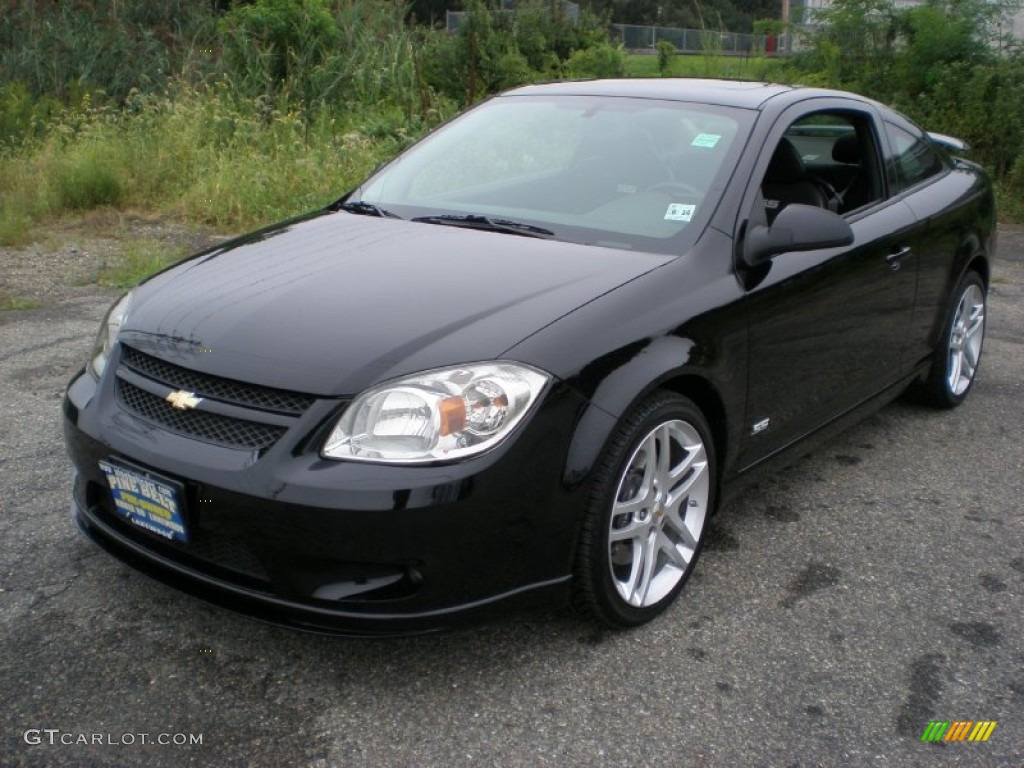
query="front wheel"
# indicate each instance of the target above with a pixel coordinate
(648, 513)
(956, 359)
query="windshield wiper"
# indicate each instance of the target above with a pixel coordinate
(476, 221)
(363, 208)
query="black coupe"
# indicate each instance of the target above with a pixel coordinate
(526, 360)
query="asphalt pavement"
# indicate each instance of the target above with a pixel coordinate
(874, 587)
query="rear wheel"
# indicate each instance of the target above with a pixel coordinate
(648, 513)
(956, 359)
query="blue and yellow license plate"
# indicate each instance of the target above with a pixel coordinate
(147, 500)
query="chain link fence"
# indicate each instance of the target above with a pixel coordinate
(453, 19)
(637, 38)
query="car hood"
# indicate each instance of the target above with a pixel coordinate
(332, 303)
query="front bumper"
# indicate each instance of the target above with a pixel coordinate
(342, 547)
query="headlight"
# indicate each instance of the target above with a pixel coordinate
(438, 415)
(107, 337)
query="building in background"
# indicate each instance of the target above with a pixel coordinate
(803, 12)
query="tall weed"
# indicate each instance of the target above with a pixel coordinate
(88, 176)
(64, 49)
(199, 153)
(314, 52)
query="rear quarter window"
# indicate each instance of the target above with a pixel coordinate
(914, 158)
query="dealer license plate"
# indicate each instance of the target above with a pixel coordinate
(147, 500)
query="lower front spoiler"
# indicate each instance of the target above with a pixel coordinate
(311, 618)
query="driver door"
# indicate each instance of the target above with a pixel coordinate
(827, 328)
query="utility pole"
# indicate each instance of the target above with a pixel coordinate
(785, 26)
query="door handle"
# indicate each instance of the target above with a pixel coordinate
(896, 256)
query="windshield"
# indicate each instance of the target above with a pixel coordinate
(640, 174)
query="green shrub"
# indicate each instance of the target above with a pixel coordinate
(23, 117)
(665, 53)
(273, 43)
(854, 43)
(87, 178)
(511, 69)
(1015, 178)
(548, 37)
(491, 51)
(603, 60)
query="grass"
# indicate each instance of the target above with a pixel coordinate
(17, 303)
(1009, 204)
(683, 65)
(203, 156)
(138, 260)
(15, 224)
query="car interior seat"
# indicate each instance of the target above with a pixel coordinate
(857, 192)
(786, 181)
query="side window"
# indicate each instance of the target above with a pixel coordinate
(827, 159)
(914, 158)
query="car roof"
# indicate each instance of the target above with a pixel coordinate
(727, 93)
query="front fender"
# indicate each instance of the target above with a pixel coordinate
(631, 375)
(683, 322)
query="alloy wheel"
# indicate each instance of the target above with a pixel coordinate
(659, 513)
(965, 338)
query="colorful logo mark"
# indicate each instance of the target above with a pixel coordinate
(959, 730)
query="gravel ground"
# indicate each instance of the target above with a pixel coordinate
(838, 608)
(64, 265)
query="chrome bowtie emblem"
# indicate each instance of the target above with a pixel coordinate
(182, 399)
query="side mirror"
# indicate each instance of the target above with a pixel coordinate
(796, 228)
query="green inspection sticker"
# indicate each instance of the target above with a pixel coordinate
(706, 140)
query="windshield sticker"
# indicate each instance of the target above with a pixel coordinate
(680, 212)
(706, 140)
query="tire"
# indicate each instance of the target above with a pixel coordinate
(958, 354)
(636, 551)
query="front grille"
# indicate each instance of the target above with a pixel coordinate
(215, 387)
(228, 553)
(211, 427)
(209, 550)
